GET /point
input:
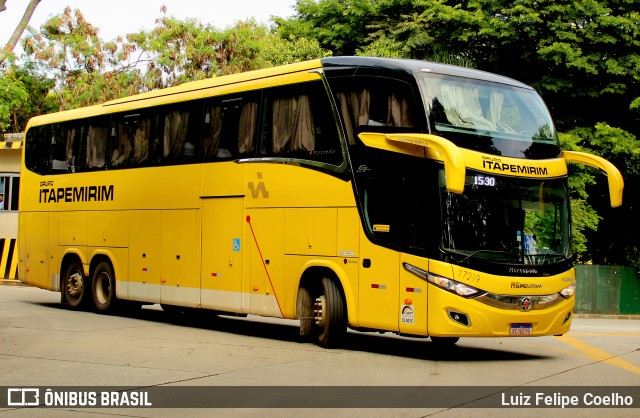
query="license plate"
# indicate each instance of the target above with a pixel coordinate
(521, 329)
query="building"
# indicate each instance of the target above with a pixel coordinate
(10, 154)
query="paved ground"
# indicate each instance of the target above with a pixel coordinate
(43, 344)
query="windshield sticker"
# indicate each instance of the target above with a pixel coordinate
(381, 228)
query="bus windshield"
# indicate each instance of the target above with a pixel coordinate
(506, 219)
(490, 117)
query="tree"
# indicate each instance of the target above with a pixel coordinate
(614, 240)
(177, 51)
(67, 65)
(277, 51)
(88, 70)
(17, 33)
(23, 94)
(338, 25)
(571, 51)
(12, 96)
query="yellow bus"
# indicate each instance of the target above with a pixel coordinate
(347, 192)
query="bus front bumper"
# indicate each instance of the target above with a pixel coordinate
(450, 315)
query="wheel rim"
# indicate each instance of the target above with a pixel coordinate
(320, 311)
(103, 288)
(75, 285)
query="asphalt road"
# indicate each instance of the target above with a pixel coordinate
(45, 345)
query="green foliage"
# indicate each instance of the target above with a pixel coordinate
(616, 239)
(277, 51)
(13, 95)
(84, 68)
(177, 51)
(338, 25)
(585, 218)
(572, 51)
(22, 95)
(87, 70)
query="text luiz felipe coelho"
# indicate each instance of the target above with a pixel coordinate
(557, 399)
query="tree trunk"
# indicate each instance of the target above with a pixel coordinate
(13, 41)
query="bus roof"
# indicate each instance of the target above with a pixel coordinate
(220, 81)
(411, 66)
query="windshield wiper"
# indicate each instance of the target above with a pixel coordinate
(548, 256)
(473, 254)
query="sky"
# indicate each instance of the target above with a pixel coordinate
(119, 17)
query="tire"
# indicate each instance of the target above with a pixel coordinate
(330, 315)
(74, 286)
(444, 341)
(304, 313)
(103, 287)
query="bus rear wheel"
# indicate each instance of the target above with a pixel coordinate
(74, 285)
(103, 287)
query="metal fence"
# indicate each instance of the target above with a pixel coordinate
(607, 290)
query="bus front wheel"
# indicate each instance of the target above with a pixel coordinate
(329, 313)
(74, 285)
(103, 286)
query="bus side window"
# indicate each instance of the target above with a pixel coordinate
(179, 132)
(38, 149)
(372, 104)
(211, 131)
(230, 128)
(382, 212)
(299, 123)
(130, 136)
(73, 136)
(96, 148)
(59, 147)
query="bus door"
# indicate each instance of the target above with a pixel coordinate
(379, 280)
(379, 265)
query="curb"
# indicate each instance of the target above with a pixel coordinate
(603, 316)
(12, 282)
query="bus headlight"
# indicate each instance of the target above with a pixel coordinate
(569, 291)
(444, 283)
(453, 286)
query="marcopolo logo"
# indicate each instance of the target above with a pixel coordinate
(261, 189)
